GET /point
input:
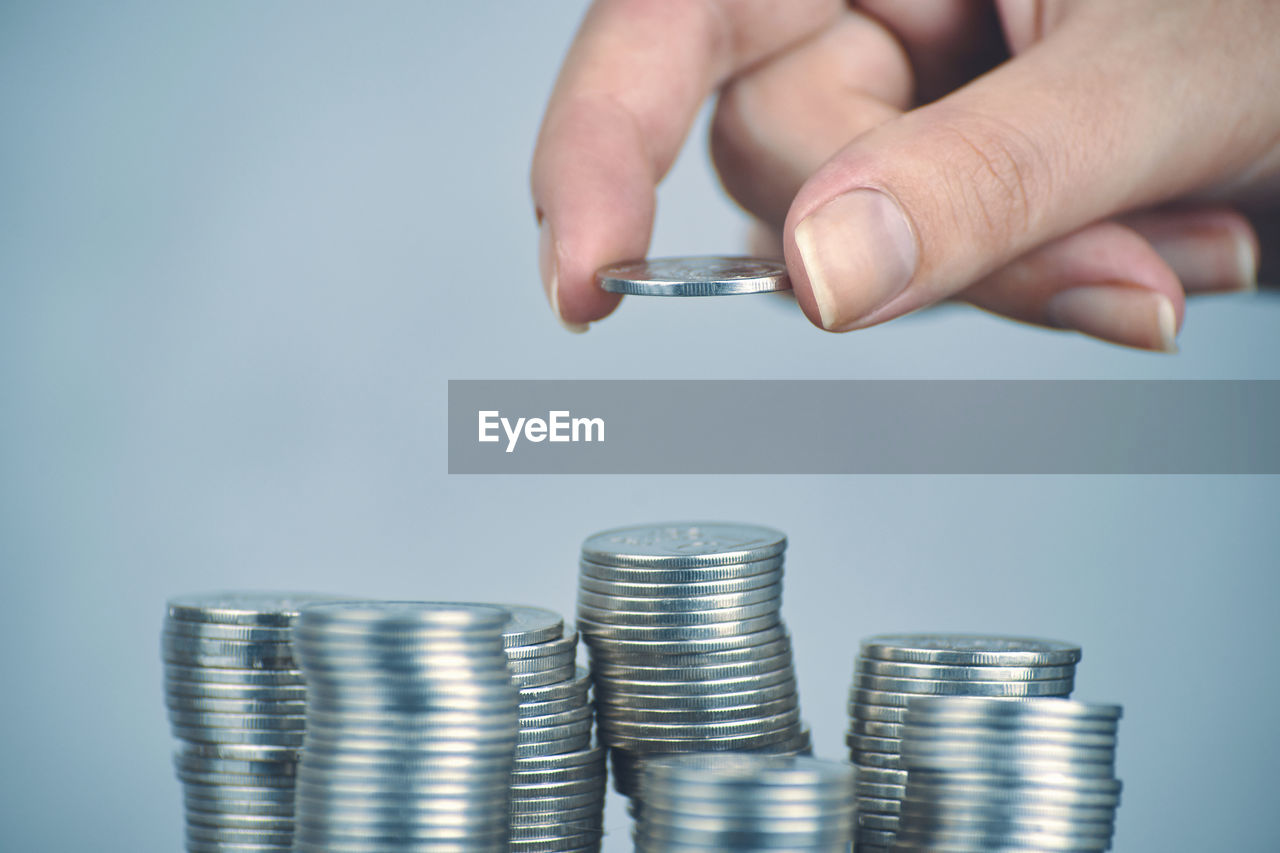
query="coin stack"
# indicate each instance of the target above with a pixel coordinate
(688, 649)
(995, 774)
(734, 801)
(558, 782)
(236, 700)
(893, 670)
(411, 728)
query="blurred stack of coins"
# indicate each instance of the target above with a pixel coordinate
(995, 774)
(740, 802)
(411, 728)
(893, 670)
(688, 649)
(236, 699)
(558, 781)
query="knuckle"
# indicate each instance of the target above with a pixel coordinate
(999, 176)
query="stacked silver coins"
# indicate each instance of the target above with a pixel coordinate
(236, 700)
(892, 670)
(411, 728)
(688, 649)
(744, 802)
(558, 781)
(993, 774)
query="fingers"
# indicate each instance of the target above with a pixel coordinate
(1211, 249)
(1110, 281)
(628, 91)
(921, 207)
(764, 241)
(775, 125)
(949, 41)
(1105, 281)
(1123, 282)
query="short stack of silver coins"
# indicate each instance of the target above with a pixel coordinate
(893, 670)
(993, 774)
(411, 728)
(739, 802)
(558, 782)
(688, 649)
(236, 700)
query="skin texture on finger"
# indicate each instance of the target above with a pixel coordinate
(1025, 23)
(949, 41)
(1210, 250)
(810, 103)
(1076, 129)
(629, 89)
(764, 241)
(1104, 280)
(780, 121)
(1116, 285)
(1255, 68)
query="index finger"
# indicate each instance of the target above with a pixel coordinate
(628, 91)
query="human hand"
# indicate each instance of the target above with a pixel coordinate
(1112, 166)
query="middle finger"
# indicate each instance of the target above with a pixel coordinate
(779, 122)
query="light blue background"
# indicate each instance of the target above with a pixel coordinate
(244, 245)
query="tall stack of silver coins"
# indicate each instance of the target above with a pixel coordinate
(236, 700)
(995, 774)
(893, 670)
(558, 781)
(411, 728)
(741, 802)
(688, 649)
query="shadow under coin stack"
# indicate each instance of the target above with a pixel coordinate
(894, 670)
(558, 780)
(744, 803)
(411, 728)
(236, 699)
(992, 774)
(688, 649)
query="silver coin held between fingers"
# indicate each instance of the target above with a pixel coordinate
(695, 276)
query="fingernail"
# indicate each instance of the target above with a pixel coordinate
(858, 252)
(1221, 260)
(1121, 314)
(1247, 258)
(549, 269)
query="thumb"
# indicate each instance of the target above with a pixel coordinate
(919, 208)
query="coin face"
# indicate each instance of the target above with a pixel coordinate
(683, 545)
(695, 276)
(243, 608)
(530, 625)
(970, 649)
(406, 616)
(550, 648)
